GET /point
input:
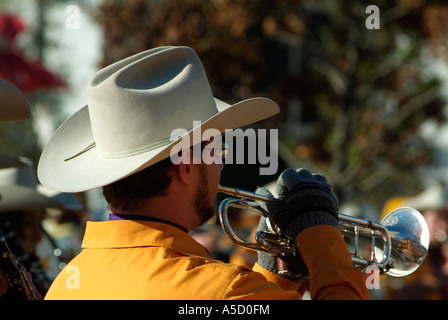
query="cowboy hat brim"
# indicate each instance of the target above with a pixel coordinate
(19, 189)
(62, 200)
(13, 104)
(18, 198)
(9, 161)
(64, 168)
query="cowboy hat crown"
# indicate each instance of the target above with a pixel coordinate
(133, 106)
(154, 91)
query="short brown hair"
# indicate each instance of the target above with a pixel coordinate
(128, 193)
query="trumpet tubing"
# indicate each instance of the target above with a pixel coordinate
(399, 243)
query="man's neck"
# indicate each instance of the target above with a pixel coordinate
(172, 207)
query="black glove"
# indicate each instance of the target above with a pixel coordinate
(308, 201)
(290, 266)
(266, 260)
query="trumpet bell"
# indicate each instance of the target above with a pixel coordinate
(409, 236)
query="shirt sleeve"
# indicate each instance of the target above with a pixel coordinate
(261, 285)
(332, 274)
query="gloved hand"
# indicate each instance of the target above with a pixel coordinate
(296, 269)
(308, 201)
(266, 260)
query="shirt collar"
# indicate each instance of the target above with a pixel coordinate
(132, 233)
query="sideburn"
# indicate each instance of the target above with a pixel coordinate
(202, 198)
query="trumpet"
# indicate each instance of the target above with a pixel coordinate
(398, 245)
(15, 273)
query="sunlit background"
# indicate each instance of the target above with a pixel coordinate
(364, 106)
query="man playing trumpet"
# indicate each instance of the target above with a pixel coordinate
(120, 142)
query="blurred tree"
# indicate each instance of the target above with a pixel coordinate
(24, 66)
(352, 98)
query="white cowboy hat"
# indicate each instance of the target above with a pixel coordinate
(8, 161)
(13, 104)
(133, 107)
(20, 190)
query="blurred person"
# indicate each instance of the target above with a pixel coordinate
(3, 286)
(13, 104)
(13, 107)
(22, 208)
(430, 281)
(122, 141)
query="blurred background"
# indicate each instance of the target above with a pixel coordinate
(362, 96)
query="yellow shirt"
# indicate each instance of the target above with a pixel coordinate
(151, 260)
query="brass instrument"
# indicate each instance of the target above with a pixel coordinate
(399, 243)
(15, 273)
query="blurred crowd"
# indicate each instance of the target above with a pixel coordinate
(43, 228)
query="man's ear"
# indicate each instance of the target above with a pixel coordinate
(184, 168)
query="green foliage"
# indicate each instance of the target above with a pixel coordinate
(362, 94)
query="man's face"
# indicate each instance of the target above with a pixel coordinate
(28, 231)
(208, 181)
(203, 202)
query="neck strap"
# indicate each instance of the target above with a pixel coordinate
(118, 216)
